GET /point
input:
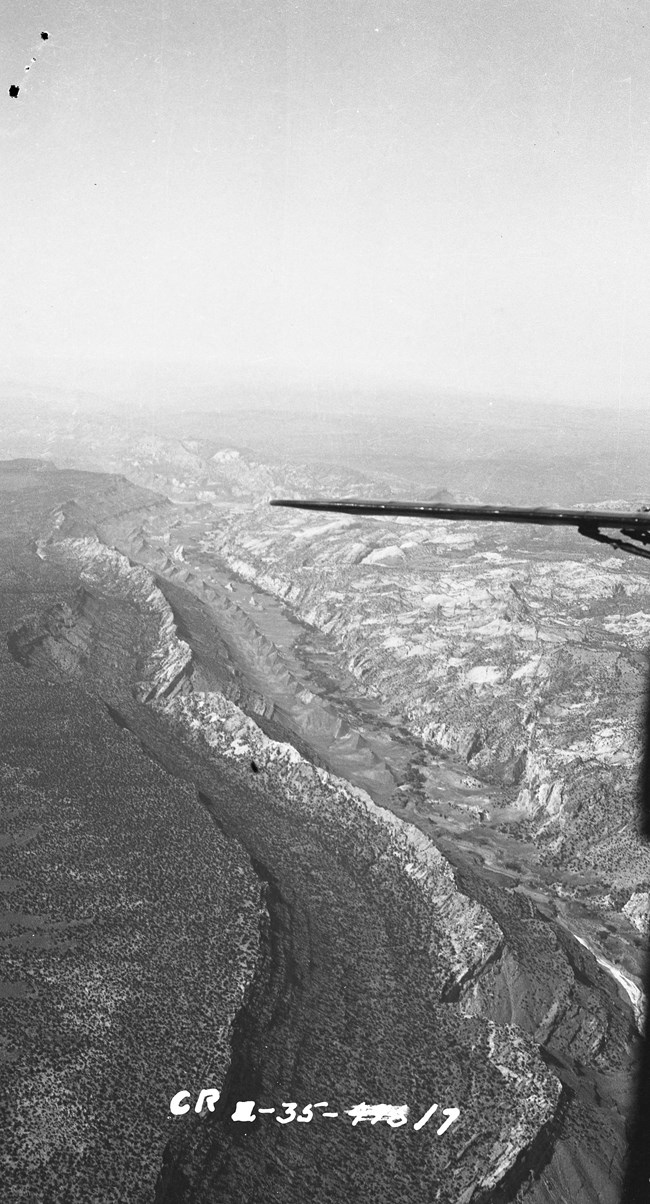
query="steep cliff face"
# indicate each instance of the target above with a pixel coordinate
(439, 940)
(637, 909)
(130, 923)
(466, 937)
(71, 635)
(79, 637)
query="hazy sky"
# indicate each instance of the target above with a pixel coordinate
(444, 193)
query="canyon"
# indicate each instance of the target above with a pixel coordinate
(416, 750)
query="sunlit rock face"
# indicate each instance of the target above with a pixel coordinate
(464, 936)
(390, 555)
(637, 909)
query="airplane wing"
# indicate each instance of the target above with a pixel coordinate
(634, 524)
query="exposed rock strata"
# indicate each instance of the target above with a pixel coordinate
(531, 952)
(409, 880)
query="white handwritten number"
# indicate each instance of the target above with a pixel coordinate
(307, 1114)
(427, 1116)
(394, 1115)
(397, 1115)
(291, 1109)
(452, 1114)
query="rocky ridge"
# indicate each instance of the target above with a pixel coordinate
(137, 535)
(463, 937)
(98, 845)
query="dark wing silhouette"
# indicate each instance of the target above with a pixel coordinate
(634, 524)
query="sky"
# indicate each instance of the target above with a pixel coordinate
(420, 194)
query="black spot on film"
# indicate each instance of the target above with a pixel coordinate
(44, 36)
(14, 90)
(255, 767)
